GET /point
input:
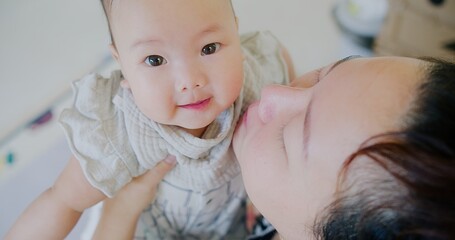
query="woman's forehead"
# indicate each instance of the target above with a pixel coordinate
(359, 99)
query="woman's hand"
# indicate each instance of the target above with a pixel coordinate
(120, 214)
(140, 192)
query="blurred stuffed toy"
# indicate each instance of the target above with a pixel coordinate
(418, 28)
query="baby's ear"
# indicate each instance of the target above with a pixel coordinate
(125, 84)
(114, 52)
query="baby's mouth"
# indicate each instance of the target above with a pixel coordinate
(197, 105)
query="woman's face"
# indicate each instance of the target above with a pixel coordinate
(292, 143)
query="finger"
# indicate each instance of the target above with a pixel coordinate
(157, 173)
(251, 214)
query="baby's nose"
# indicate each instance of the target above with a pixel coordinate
(188, 85)
(189, 77)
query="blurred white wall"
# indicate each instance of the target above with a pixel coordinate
(44, 45)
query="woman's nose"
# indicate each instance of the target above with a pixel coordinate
(280, 100)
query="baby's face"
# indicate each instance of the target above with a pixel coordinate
(181, 58)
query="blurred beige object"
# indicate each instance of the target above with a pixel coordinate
(418, 28)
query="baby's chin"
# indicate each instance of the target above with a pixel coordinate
(194, 128)
(188, 125)
(195, 124)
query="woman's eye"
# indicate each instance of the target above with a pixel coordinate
(155, 60)
(210, 48)
(318, 75)
(281, 138)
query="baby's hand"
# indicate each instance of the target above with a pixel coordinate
(251, 215)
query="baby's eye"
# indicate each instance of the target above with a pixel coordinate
(210, 48)
(155, 60)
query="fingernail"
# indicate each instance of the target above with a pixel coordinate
(170, 160)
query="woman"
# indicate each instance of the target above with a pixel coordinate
(360, 149)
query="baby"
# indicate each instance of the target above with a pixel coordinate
(186, 77)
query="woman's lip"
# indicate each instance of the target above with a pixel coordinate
(244, 119)
(197, 105)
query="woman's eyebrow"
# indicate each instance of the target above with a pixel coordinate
(342, 61)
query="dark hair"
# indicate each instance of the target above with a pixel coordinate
(417, 201)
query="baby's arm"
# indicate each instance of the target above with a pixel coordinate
(55, 212)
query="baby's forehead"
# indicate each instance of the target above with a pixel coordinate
(115, 10)
(108, 5)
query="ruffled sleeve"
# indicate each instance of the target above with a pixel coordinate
(264, 64)
(96, 134)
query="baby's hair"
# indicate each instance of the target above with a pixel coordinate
(107, 7)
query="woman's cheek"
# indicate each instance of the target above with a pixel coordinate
(252, 179)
